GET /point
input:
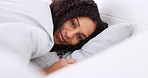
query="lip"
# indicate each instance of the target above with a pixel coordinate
(61, 37)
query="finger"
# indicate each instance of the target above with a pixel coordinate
(71, 61)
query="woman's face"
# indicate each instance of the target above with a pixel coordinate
(74, 30)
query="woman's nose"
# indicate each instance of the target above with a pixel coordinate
(71, 34)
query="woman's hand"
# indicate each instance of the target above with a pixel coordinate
(59, 64)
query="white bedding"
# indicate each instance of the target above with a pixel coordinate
(127, 59)
(111, 36)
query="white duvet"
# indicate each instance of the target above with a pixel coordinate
(26, 28)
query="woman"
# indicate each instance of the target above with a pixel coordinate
(68, 15)
(75, 22)
(25, 29)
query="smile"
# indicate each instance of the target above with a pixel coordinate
(61, 37)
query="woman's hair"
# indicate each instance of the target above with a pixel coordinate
(63, 10)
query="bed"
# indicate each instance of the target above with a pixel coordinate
(127, 59)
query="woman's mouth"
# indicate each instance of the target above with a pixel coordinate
(62, 39)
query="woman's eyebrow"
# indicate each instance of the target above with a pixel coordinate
(78, 21)
(79, 25)
(84, 35)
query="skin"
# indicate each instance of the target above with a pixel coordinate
(58, 65)
(71, 33)
(74, 30)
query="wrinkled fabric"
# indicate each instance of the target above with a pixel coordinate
(26, 28)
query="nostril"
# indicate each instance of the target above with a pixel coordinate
(65, 32)
(66, 36)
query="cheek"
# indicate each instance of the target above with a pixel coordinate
(56, 35)
(90, 32)
(74, 41)
(66, 26)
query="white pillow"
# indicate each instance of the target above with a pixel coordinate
(110, 36)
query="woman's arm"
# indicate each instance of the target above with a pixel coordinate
(58, 65)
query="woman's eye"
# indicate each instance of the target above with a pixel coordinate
(73, 23)
(79, 38)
